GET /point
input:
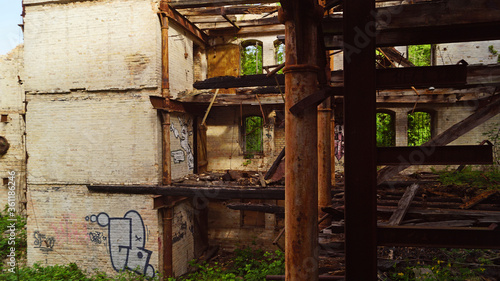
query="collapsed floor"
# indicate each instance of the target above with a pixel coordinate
(419, 200)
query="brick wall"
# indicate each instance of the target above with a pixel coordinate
(67, 224)
(93, 45)
(12, 108)
(180, 56)
(82, 138)
(225, 143)
(472, 52)
(181, 145)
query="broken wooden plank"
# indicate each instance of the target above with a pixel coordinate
(275, 164)
(478, 199)
(435, 155)
(449, 223)
(481, 115)
(428, 214)
(403, 205)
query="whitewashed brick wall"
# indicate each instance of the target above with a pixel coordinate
(83, 138)
(12, 107)
(67, 223)
(93, 45)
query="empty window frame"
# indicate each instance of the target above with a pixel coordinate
(251, 57)
(386, 128)
(279, 53)
(419, 127)
(252, 135)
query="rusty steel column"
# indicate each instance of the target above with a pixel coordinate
(165, 92)
(324, 160)
(301, 136)
(360, 150)
(167, 212)
(332, 147)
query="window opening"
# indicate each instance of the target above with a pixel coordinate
(386, 131)
(253, 135)
(251, 58)
(419, 128)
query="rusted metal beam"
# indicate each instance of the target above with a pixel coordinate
(450, 237)
(435, 155)
(360, 151)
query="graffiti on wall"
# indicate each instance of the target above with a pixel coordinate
(183, 136)
(97, 237)
(43, 242)
(126, 239)
(339, 141)
(178, 156)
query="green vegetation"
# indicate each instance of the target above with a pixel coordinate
(451, 264)
(251, 58)
(67, 272)
(253, 134)
(468, 177)
(420, 55)
(419, 128)
(249, 265)
(494, 52)
(19, 242)
(386, 135)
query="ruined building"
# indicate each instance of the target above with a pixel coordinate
(139, 130)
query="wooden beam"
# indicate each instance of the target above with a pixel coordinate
(231, 99)
(403, 205)
(436, 155)
(183, 4)
(277, 28)
(482, 114)
(450, 237)
(199, 192)
(241, 81)
(231, 10)
(428, 22)
(184, 22)
(242, 23)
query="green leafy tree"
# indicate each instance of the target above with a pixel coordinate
(385, 130)
(420, 55)
(419, 128)
(251, 59)
(253, 134)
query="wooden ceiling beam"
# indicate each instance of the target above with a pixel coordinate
(244, 23)
(184, 22)
(231, 10)
(427, 22)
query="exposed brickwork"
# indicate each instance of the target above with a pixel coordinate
(12, 109)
